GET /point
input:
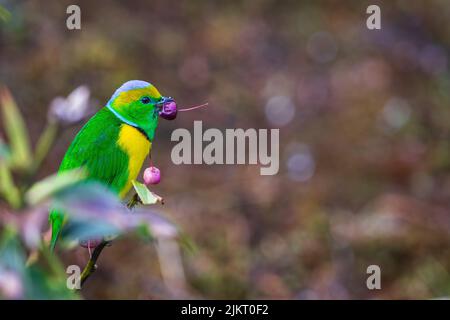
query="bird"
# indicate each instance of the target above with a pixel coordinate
(114, 143)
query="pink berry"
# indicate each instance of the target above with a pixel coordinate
(152, 175)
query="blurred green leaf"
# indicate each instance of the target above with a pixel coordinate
(45, 143)
(5, 15)
(12, 265)
(90, 200)
(187, 243)
(44, 189)
(94, 202)
(146, 196)
(4, 150)
(15, 128)
(8, 189)
(88, 229)
(144, 233)
(35, 281)
(11, 255)
(40, 284)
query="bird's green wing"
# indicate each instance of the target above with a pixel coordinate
(95, 149)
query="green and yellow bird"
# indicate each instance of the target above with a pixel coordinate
(114, 143)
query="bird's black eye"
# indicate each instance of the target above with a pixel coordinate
(145, 100)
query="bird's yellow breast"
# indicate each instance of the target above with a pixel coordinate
(136, 145)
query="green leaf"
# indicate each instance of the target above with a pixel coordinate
(144, 233)
(44, 189)
(93, 202)
(4, 151)
(77, 228)
(5, 15)
(8, 189)
(11, 254)
(37, 281)
(187, 243)
(16, 130)
(45, 143)
(146, 196)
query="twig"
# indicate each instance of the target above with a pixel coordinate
(91, 265)
(134, 201)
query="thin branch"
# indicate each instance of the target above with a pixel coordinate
(91, 265)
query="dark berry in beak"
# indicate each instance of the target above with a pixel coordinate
(169, 110)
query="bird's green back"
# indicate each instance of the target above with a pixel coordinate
(95, 149)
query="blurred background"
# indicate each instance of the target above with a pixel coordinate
(364, 120)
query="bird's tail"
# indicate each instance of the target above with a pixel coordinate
(56, 219)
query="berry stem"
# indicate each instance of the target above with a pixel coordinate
(89, 249)
(194, 107)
